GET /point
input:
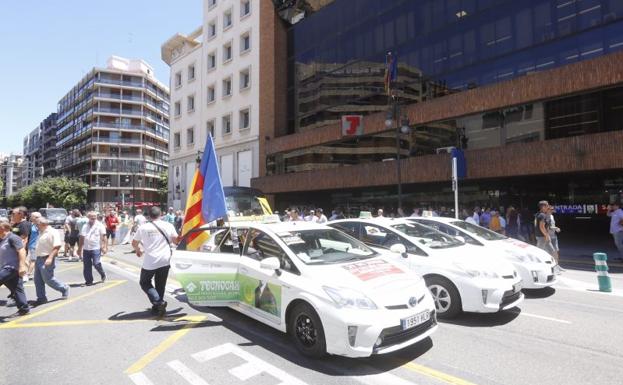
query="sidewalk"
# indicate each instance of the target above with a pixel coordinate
(580, 251)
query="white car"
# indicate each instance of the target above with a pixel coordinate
(536, 267)
(329, 291)
(461, 277)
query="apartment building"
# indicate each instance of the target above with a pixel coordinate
(10, 173)
(33, 157)
(215, 89)
(48, 145)
(113, 132)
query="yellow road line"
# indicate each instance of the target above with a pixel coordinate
(447, 378)
(164, 345)
(69, 268)
(63, 303)
(70, 323)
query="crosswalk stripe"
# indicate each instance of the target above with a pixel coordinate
(186, 373)
(140, 379)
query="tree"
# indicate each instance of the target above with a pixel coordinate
(58, 192)
(163, 188)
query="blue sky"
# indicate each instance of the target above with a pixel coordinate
(47, 46)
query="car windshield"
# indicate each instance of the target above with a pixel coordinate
(325, 246)
(3, 212)
(479, 231)
(54, 213)
(427, 236)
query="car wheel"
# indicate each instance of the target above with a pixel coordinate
(307, 331)
(446, 297)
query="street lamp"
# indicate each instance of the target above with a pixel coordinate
(402, 128)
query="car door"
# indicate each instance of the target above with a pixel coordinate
(264, 293)
(208, 272)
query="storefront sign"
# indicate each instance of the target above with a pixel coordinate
(579, 209)
(352, 125)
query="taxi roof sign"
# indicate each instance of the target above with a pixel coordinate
(365, 215)
(272, 218)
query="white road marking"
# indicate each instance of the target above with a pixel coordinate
(584, 287)
(380, 379)
(186, 373)
(523, 313)
(229, 348)
(245, 371)
(140, 379)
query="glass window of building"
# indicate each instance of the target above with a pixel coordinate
(211, 93)
(245, 78)
(210, 124)
(190, 136)
(176, 140)
(226, 124)
(227, 52)
(227, 87)
(191, 72)
(245, 42)
(178, 79)
(211, 4)
(227, 19)
(245, 8)
(211, 60)
(177, 108)
(244, 118)
(212, 29)
(190, 103)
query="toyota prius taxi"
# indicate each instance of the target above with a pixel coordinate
(329, 291)
(460, 276)
(536, 267)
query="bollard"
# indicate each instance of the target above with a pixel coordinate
(602, 272)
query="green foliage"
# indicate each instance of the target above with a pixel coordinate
(58, 192)
(163, 187)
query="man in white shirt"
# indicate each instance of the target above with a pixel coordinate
(616, 226)
(91, 246)
(48, 245)
(320, 217)
(156, 238)
(139, 218)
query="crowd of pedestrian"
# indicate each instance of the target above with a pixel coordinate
(30, 247)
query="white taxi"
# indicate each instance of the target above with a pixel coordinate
(460, 277)
(536, 267)
(329, 291)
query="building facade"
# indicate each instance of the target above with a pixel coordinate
(113, 133)
(48, 145)
(11, 174)
(532, 91)
(215, 90)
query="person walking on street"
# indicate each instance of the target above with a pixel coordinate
(616, 226)
(13, 265)
(170, 217)
(32, 243)
(21, 227)
(47, 249)
(155, 237)
(553, 232)
(92, 245)
(320, 217)
(139, 218)
(111, 228)
(512, 223)
(541, 229)
(72, 234)
(179, 221)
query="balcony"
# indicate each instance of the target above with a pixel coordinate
(107, 95)
(102, 139)
(120, 82)
(117, 111)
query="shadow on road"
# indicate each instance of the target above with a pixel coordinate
(484, 319)
(174, 320)
(539, 293)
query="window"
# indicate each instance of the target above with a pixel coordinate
(227, 19)
(245, 8)
(210, 127)
(226, 124)
(212, 29)
(211, 60)
(178, 108)
(190, 136)
(245, 79)
(211, 93)
(227, 53)
(176, 140)
(245, 42)
(244, 119)
(211, 4)
(227, 87)
(178, 79)
(191, 72)
(190, 103)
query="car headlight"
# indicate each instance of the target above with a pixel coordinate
(477, 272)
(348, 298)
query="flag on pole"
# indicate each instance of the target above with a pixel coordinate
(206, 200)
(391, 70)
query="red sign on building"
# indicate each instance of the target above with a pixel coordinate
(352, 125)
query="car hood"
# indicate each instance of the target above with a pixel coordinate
(517, 246)
(475, 258)
(385, 282)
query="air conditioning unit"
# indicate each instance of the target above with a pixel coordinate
(444, 150)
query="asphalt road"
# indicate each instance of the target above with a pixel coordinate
(104, 335)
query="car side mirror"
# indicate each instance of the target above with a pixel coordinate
(270, 263)
(399, 248)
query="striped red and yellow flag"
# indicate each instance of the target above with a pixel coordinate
(192, 216)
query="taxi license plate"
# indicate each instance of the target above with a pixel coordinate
(517, 287)
(415, 320)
